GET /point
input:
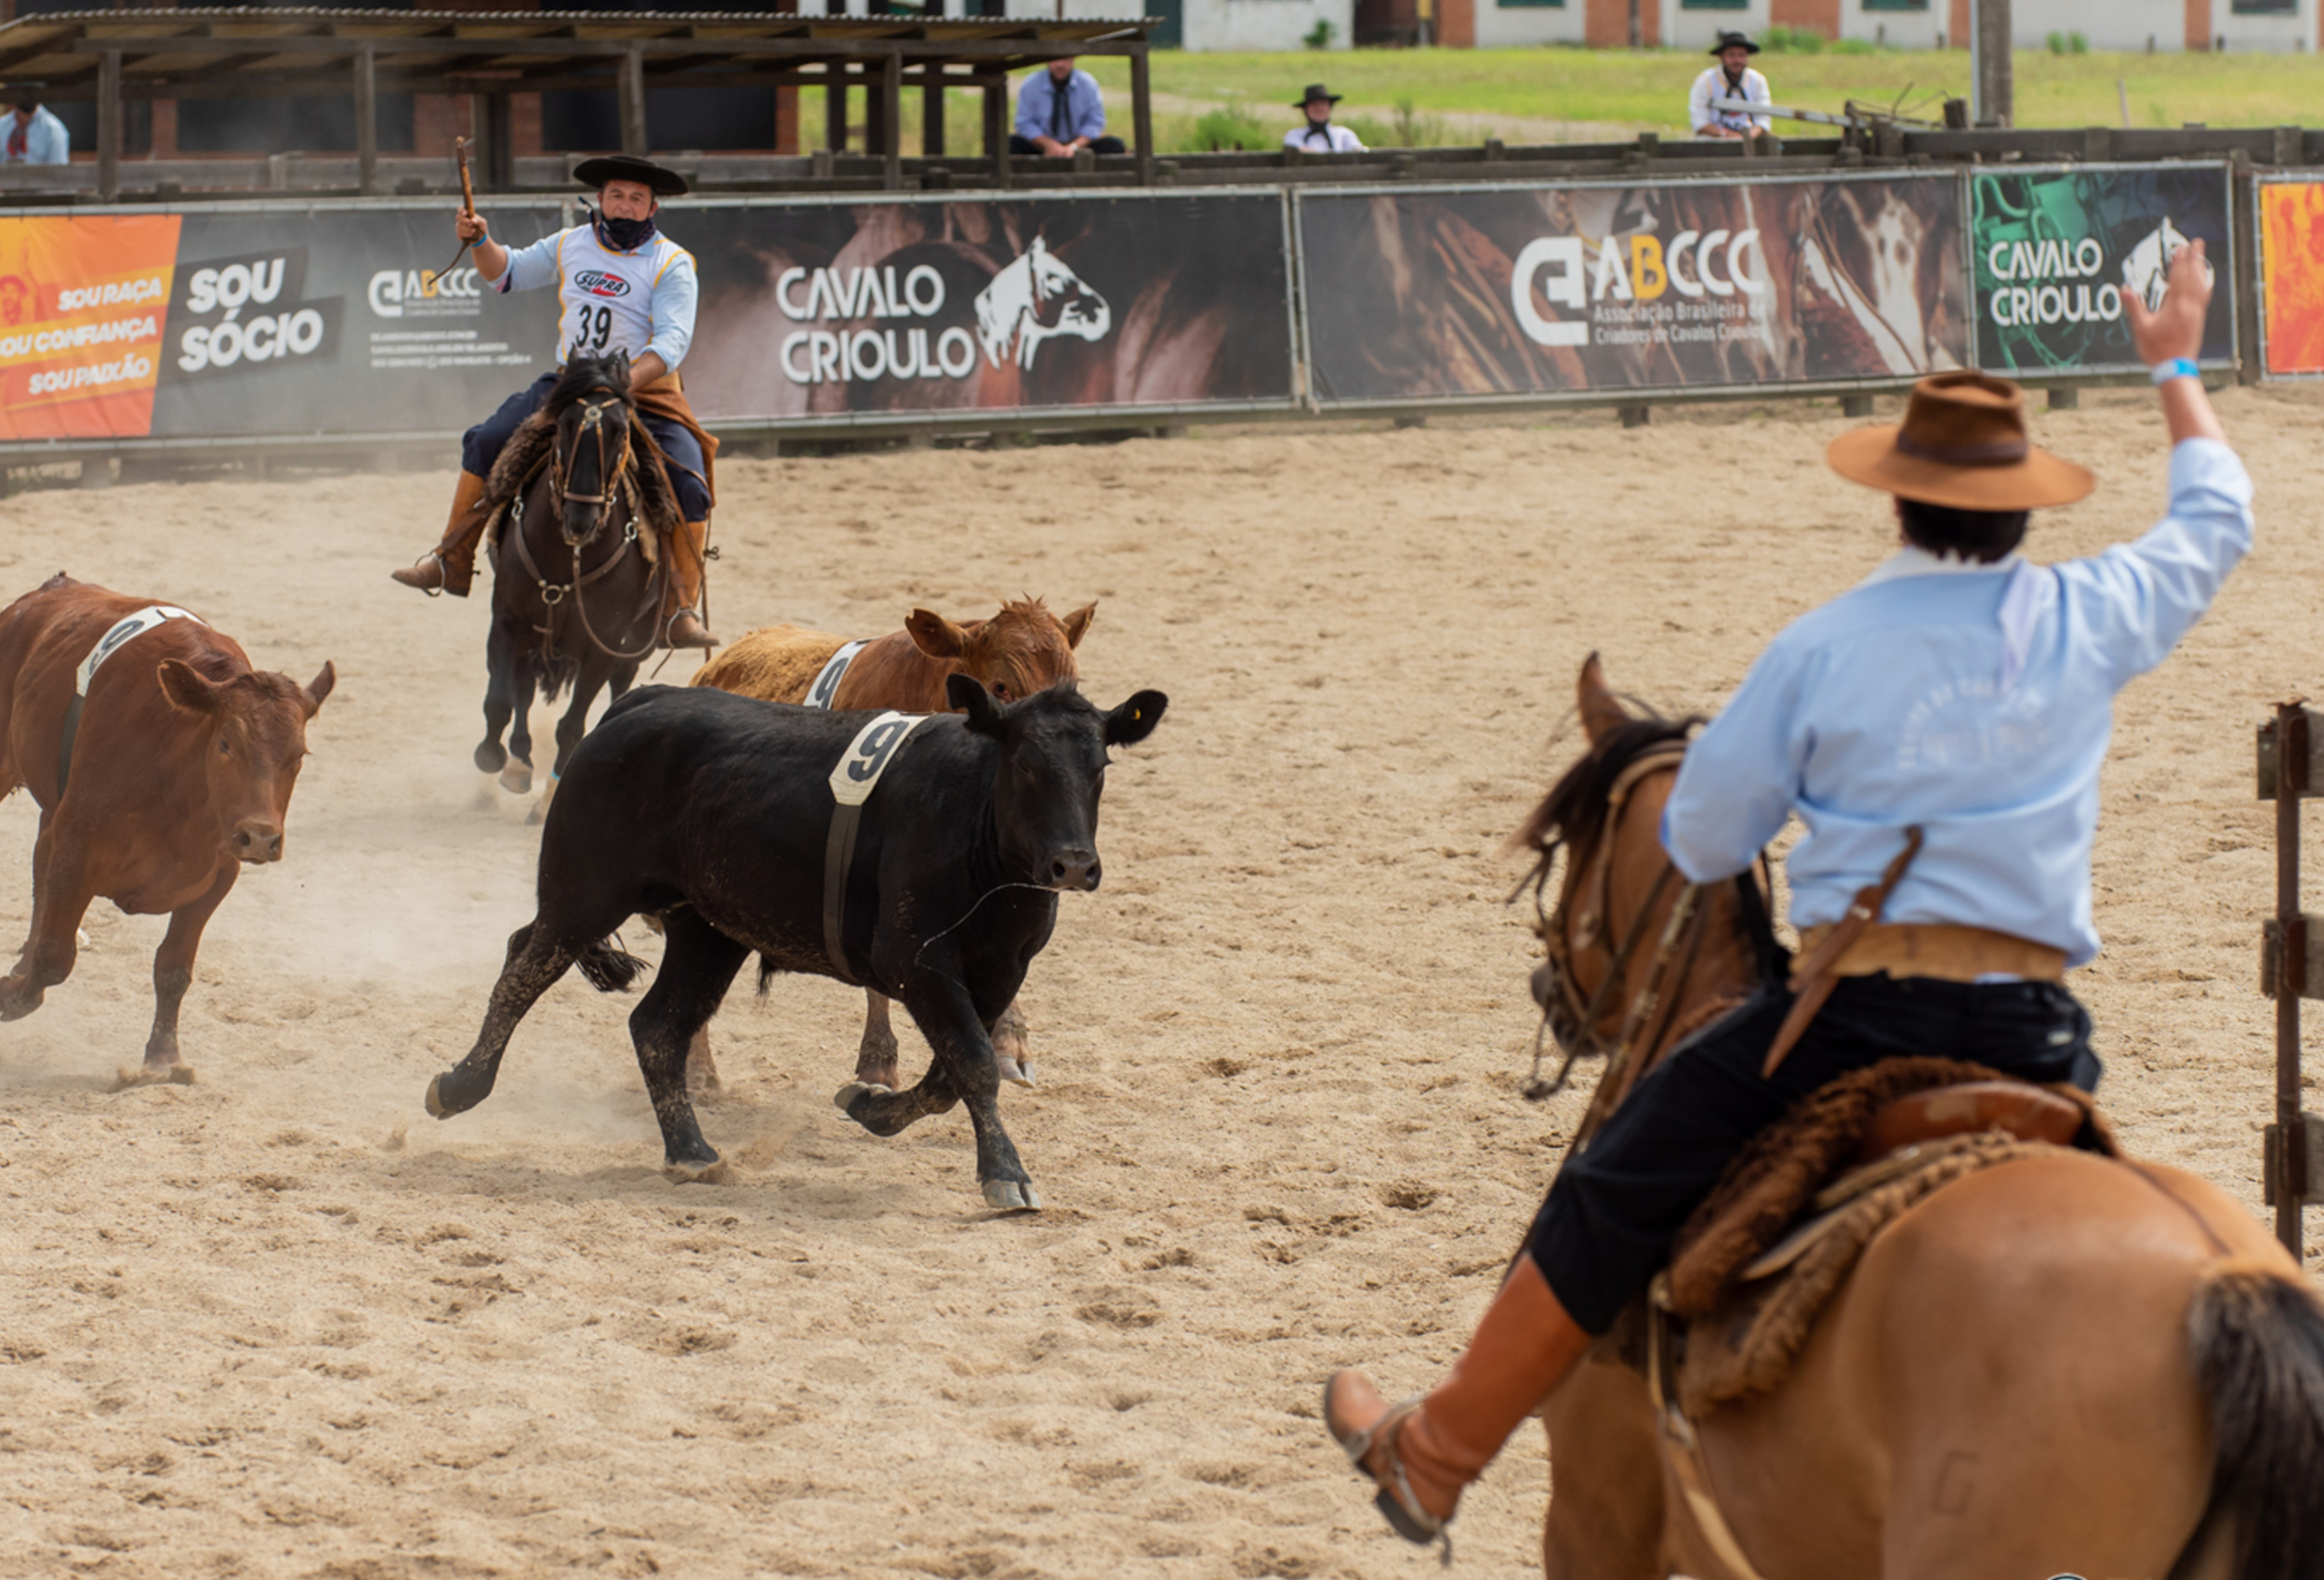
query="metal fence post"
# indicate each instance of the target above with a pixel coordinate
(2291, 959)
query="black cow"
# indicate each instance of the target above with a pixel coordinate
(713, 812)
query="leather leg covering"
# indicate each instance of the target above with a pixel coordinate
(1521, 1352)
(685, 548)
(458, 549)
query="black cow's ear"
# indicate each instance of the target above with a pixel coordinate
(967, 694)
(1135, 719)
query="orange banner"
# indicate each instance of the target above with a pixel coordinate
(2292, 275)
(82, 304)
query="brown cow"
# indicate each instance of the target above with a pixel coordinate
(1021, 649)
(178, 771)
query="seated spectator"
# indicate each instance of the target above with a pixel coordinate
(1731, 78)
(30, 135)
(1319, 136)
(1060, 112)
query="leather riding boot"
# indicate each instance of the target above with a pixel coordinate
(684, 627)
(1424, 1453)
(451, 565)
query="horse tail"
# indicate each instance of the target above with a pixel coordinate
(2257, 1342)
(608, 966)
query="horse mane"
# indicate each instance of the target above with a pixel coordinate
(1573, 815)
(1574, 812)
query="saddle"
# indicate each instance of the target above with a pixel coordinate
(1777, 1237)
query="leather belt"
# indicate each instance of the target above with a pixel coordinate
(1944, 951)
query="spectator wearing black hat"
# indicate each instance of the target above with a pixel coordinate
(30, 135)
(1316, 133)
(1731, 78)
(1060, 112)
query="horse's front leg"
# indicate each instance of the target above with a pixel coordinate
(499, 695)
(595, 670)
(523, 664)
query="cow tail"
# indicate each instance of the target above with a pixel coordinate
(2257, 1342)
(767, 973)
(608, 966)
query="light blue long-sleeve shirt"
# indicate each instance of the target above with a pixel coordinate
(1085, 107)
(45, 139)
(1976, 700)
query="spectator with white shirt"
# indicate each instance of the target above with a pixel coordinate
(1733, 77)
(30, 135)
(1316, 133)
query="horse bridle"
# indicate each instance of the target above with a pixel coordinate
(1572, 1021)
(593, 407)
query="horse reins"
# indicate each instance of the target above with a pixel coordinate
(593, 410)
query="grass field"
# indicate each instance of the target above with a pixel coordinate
(1553, 94)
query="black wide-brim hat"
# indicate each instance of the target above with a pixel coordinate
(1734, 41)
(1315, 91)
(595, 173)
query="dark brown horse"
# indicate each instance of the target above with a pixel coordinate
(576, 590)
(2062, 1364)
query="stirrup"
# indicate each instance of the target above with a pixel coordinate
(444, 575)
(1398, 1505)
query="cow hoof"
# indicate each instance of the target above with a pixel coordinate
(517, 777)
(1009, 1196)
(491, 757)
(532, 818)
(714, 1172)
(844, 1098)
(1016, 1074)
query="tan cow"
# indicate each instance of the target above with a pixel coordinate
(162, 762)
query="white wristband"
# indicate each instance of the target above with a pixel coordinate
(2177, 367)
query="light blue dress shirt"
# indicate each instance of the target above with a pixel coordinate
(46, 141)
(674, 294)
(1974, 699)
(1084, 106)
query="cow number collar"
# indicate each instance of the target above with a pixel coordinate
(125, 630)
(868, 755)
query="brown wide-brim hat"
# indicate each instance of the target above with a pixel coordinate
(1962, 444)
(594, 173)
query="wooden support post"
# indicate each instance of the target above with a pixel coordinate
(1142, 114)
(632, 94)
(500, 142)
(2290, 1138)
(835, 108)
(1993, 80)
(888, 141)
(367, 118)
(997, 130)
(109, 125)
(932, 116)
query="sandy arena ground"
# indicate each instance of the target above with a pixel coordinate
(281, 1322)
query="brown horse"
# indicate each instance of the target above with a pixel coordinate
(2062, 1364)
(1021, 649)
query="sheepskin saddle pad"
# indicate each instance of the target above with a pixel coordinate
(1779, 1234)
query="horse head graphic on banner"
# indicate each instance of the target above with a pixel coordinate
(1033, 299)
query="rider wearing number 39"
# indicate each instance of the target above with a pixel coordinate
(624, 287)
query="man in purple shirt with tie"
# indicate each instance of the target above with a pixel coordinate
(1060, 112)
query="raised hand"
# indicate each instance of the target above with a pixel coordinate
(2176, 328)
